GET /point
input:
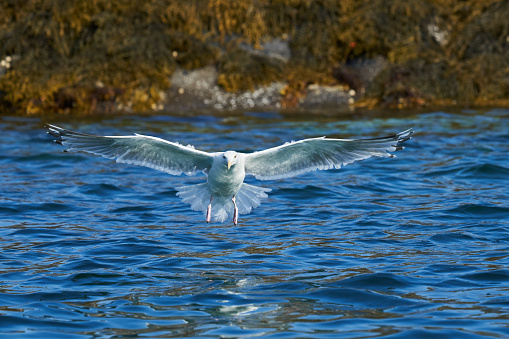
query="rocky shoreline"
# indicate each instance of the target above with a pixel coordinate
(167, 55)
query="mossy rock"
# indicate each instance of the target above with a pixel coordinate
(485, 34)
(394, 29)
(74, 55)
(82, 49)
(241, 70)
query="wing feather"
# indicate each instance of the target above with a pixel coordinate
(302, 156)
(156, 153)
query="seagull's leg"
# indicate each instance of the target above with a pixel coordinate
(209, 208)
(235, 212)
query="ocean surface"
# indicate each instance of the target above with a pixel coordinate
(415, 246)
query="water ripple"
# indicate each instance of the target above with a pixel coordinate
(412, 247)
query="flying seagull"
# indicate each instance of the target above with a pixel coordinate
(225, 192)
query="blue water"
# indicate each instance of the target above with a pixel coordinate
(410, 247)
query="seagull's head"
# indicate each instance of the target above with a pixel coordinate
(230, 158)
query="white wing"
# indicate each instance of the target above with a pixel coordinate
(314, 154)
(141, 150)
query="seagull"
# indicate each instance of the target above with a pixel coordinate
(225, 193)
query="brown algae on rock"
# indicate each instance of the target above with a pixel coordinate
(100, 56)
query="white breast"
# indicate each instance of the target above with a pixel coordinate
(224, 182)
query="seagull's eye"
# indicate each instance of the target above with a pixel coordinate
(235, 156)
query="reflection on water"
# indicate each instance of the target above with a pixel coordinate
(416, 246)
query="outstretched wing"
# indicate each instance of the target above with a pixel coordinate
(141, 150)
(314, 154)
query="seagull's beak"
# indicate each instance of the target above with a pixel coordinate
(230, 163)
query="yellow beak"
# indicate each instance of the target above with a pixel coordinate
(230, 163)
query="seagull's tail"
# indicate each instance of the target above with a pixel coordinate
(198, 196)
(249, 197)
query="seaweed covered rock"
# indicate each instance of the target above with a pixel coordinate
(100, 55)
(88, 55)
(466, 61)
(481, 54)
(240, 70)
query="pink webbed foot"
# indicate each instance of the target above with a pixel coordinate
(235, 212)
(209, 210)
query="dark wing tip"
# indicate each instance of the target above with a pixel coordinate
(56, 132)
(404, 136)
(62, 131)
(399, 137)
(59, 133)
